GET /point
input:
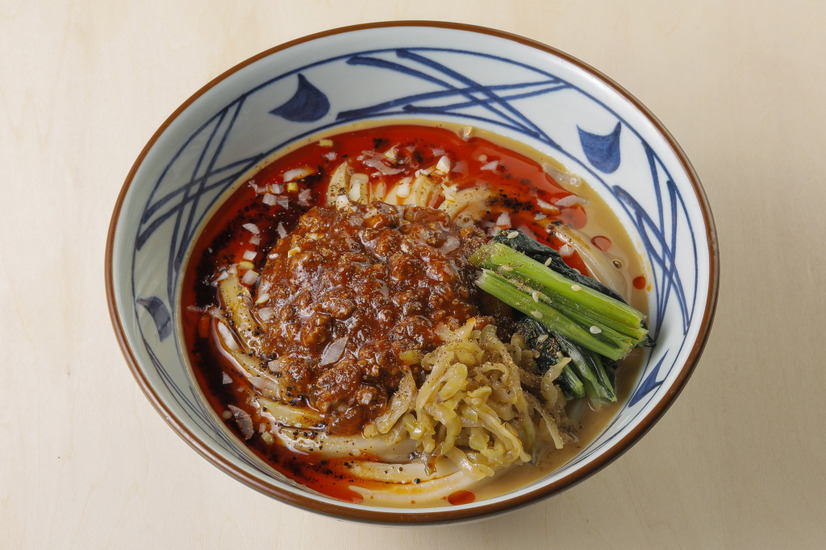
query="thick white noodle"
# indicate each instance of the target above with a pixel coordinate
(432, 491)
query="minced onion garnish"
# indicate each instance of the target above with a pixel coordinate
(298, 173)
(333, 351)
(546, 206)
(443, 165)
(381, 167)
(571, 200)
(249, 278)
(242, 418)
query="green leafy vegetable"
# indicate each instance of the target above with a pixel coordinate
(541, 340)
(582, 318)
(551, 258)
(590, 369)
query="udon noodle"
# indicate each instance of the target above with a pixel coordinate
(333, 321)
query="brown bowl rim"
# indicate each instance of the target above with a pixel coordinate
(440, 515)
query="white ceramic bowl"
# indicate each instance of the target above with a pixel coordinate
(508, 84)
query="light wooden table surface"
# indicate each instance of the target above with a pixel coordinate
(739, 461)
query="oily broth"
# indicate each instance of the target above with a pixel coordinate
(593, 421)
(222, 385)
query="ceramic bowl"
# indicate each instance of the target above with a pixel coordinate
(466, 75)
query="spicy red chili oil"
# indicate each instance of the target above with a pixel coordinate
(247, 228)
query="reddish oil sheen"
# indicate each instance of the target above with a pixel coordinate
(602, 242)
(520, 179)
(574, 260)
(461, 497)
(639, 282)
(328, 477)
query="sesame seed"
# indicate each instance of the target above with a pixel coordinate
(576, 288)
(595, 330)
(548, 261)
(535, 295)
(542, 338)
(507, 267)
(537, 314)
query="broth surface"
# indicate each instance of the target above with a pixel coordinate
(520, 189)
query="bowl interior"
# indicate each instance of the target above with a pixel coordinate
(505, 84)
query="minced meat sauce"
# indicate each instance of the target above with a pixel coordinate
(354, 296)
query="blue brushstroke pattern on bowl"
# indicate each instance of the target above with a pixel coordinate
(519, 89)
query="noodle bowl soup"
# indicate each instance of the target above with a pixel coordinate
(333, 321)
(341, 409)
